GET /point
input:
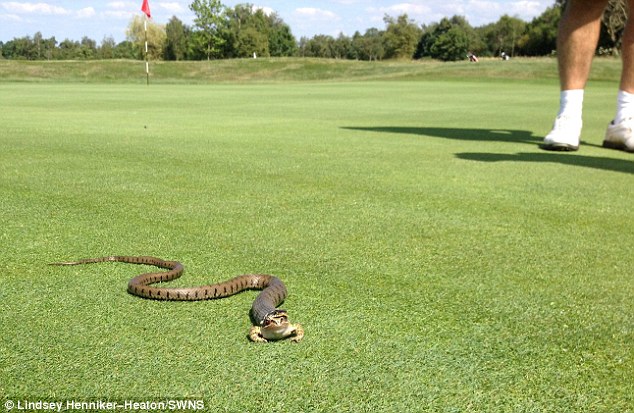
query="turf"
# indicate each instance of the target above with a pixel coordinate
(437, 258)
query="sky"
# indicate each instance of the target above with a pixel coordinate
(74, 19)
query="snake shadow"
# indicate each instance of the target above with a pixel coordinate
(595, 162)
(464, 134)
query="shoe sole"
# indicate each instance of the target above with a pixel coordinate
(559, 147)
(618, 146)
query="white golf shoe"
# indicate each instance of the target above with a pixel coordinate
(565, 135)
(620, 136)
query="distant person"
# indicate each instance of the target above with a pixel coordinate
(504, 56)
(472, 57)
(577, 40)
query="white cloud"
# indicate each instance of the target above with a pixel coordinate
(527, 8)
(406, 8)
(86, 13)
(118, 5)
(417, 12)
(316, 14)
(11, 17)
(480, 12)
(522, 8)
(34, 8)
(347, 2)
(172, 7)
(266, 10)
(120, 14)
(477, 12)
(483, 5)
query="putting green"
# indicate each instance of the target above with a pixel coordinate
(436, 257)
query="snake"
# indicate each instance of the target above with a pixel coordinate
(269, 322)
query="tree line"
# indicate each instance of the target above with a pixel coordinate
(221, 32)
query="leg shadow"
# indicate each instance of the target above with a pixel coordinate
(507, 135)
(606, 164)
(464, 134)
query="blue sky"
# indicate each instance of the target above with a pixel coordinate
(74, 19)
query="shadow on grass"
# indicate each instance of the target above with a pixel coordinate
(481, 135)
(607, 164)
(505, 135)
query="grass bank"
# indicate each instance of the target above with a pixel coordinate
(287, 70)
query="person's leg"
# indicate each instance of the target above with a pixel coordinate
(619, 134)
(577, 39)
(627, 54)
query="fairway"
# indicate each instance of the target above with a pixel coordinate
(438, 260)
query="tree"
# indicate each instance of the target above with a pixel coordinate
(371, 45)
(155, 37)
(176, 38)
(301, 46)
(342, 47)
(37, 45)
(320, 45)
(250, 29)
(362, 47)
(251, 41)
(17, 48)
(401, 37)
(87, 48)
(106, 50)
(126, 50)
(30, 48)
(614, 20)
(45, 47)
(503, 35)
(281, 39)
(449, 40)
(222, 32)
(540, 38)
(451, 46)
(247, 32)
(209, 21)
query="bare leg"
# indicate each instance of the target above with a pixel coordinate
(627, 53)
(577, 39)
(620, 132)
(579, 31)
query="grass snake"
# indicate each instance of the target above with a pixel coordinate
(269, 322)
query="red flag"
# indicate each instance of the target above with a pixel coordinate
(145, 8)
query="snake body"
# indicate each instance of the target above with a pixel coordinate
(269, 322)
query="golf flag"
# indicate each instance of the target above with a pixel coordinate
(145, 8)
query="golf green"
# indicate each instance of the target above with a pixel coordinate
(436, 257)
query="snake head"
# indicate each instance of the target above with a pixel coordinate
(275, 318)
(276, 326)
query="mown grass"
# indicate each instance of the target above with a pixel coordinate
(438, 260)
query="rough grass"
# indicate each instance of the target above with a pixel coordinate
(287, 70)
(438, 260)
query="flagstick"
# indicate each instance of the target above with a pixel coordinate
(147, 65)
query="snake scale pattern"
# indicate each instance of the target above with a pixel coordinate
(269, 322)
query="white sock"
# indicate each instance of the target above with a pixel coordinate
(571, 103)
(624, 106)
